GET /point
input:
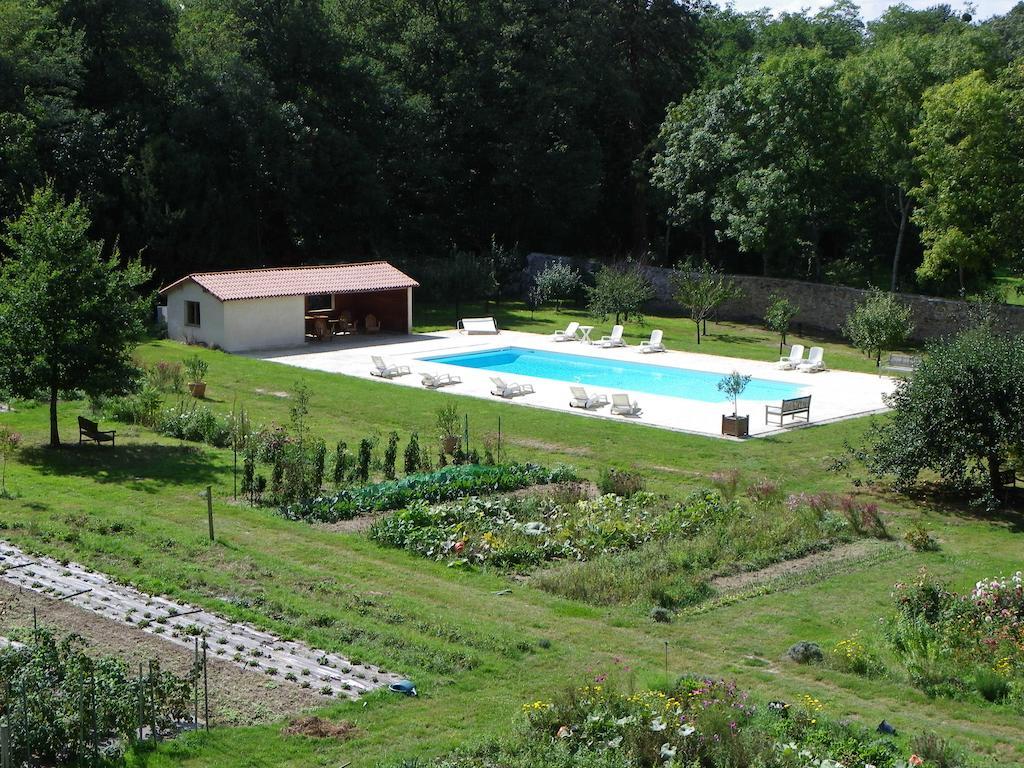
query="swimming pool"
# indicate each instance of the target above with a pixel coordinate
(609, 374)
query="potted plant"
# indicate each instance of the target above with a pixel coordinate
(732, 386)
(448, 426)
(196, 368)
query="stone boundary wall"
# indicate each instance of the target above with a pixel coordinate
(823, 307)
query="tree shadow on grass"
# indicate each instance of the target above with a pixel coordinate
(939, 499)
(144, 467)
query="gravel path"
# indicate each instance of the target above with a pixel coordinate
(290, 662)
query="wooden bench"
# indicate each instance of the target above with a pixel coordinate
(902, 363)
(90, 430)
(793, 407)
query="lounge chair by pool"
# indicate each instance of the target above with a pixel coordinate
(436, 380)
(623, 406)
(569, 334)
(815, 361)
(614, 340)
(385, 371)
(796, 354)
(654, 344)
(580, 399)
(501, 389)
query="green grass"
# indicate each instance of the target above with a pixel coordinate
(475, 655)
(730, 339)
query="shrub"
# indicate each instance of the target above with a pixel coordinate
(993, 686)
(142, 407)
(166, 376)
(726, 481)
(937, 752)
(920, 539)
(196, 369)
(443, 485)
(411, 457)
(195, 423)
(661, 615)
(362, 472)
(852, 655)
(620, 482)
(390, 456)
(805, 652)
(342, 464)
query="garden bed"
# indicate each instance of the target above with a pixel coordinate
(290, 662)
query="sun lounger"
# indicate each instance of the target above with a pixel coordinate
(815, 361)
(569, 334)
(795, 357)
(623, 406)
(477, 325)
(580, 399)
(501, 389)
(654, 344)
(615, 340)
(380, 368)
(436, 380)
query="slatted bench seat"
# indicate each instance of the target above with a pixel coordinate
(90, 430)
(793, 407)
(902, 363)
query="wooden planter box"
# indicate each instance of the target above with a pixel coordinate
(197, 388)
(736, 426)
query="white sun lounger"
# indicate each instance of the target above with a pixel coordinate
(569, 334)
(654, 344)
(615, 340)
(477, 325)
(580, 399)
(501, 389)
(623, 406)
(436, 380)
(380, 368)
(796, 353)
(815, 361)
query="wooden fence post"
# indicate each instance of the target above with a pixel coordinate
(209, 508)
(5, 744)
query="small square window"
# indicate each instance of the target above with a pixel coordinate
(192, 313)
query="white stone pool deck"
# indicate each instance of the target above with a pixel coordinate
(835, 395)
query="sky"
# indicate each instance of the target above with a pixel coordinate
(872, 9)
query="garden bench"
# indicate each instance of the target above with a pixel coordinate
(90, 430)
(902, 363)
(794, 407)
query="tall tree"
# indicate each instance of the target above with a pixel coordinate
(971, 195)
(68, 316)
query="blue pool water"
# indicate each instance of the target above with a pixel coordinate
(613, 374)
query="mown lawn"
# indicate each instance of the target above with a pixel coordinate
(476, 655)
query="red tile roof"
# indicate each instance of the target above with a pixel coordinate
(299, 281)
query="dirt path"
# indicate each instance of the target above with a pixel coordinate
(844, 553)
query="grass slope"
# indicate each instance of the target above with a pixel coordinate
(474, 654)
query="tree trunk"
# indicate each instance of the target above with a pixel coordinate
(904, 216)
(698, 331)
(994, 467)
(54, 434)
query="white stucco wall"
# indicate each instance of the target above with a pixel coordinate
(264, 323)
(211, 316)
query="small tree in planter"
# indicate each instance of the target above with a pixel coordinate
(732, 387)
(778, 315)
(196, 369)
(9, 442)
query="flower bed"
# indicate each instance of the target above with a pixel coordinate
(510, 532)
(962, 644)
(443, 485)
(699, 722)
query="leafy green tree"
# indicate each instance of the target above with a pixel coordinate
(620, 290)
(700, 290)
(887, 83)
(778, 315)
(958, 415)
(557, 282)
(971, 195)
(879, 323)
(68, 315)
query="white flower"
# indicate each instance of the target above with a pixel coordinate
(667, 752)
(868, 765)
(627, 720)
(614, 743)
(657, 724)
(687, 730)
